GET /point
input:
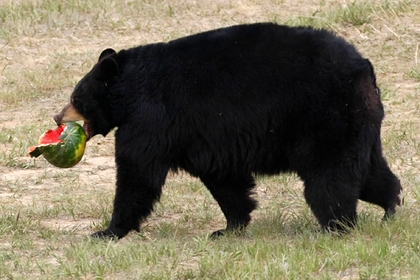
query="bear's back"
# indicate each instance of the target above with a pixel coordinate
(255, 96)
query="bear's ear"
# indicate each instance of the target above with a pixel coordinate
(106, 53)
(109, 68)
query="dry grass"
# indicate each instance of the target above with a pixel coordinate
(46, 46)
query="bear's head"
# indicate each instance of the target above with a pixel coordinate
(90, 100)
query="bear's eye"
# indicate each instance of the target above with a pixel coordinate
(74, 100)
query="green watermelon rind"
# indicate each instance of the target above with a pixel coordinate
(67, 153)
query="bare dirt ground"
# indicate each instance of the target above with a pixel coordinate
(40, 51)
(74, 50)
(47, 46)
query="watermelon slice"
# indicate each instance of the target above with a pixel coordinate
(62, 147)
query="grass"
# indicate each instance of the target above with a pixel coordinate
(47, 214)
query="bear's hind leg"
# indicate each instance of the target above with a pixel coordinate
(382, 187)
(332, 196)
(233, 196)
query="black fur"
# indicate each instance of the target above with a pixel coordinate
(232, 103)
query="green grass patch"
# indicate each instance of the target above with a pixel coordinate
(47, 214)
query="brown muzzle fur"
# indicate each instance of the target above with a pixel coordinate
(68, 114)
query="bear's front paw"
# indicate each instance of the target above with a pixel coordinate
(226, 232)
(109, 234)
(218, 233)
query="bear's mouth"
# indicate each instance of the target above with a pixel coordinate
(88, 130)
(71, 114)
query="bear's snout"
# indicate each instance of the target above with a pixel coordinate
(57, 119)
(68, 114)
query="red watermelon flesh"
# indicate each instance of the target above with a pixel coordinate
(52, 136)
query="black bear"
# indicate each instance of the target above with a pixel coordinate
(230, 104)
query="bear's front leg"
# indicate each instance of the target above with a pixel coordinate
(138, 188)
